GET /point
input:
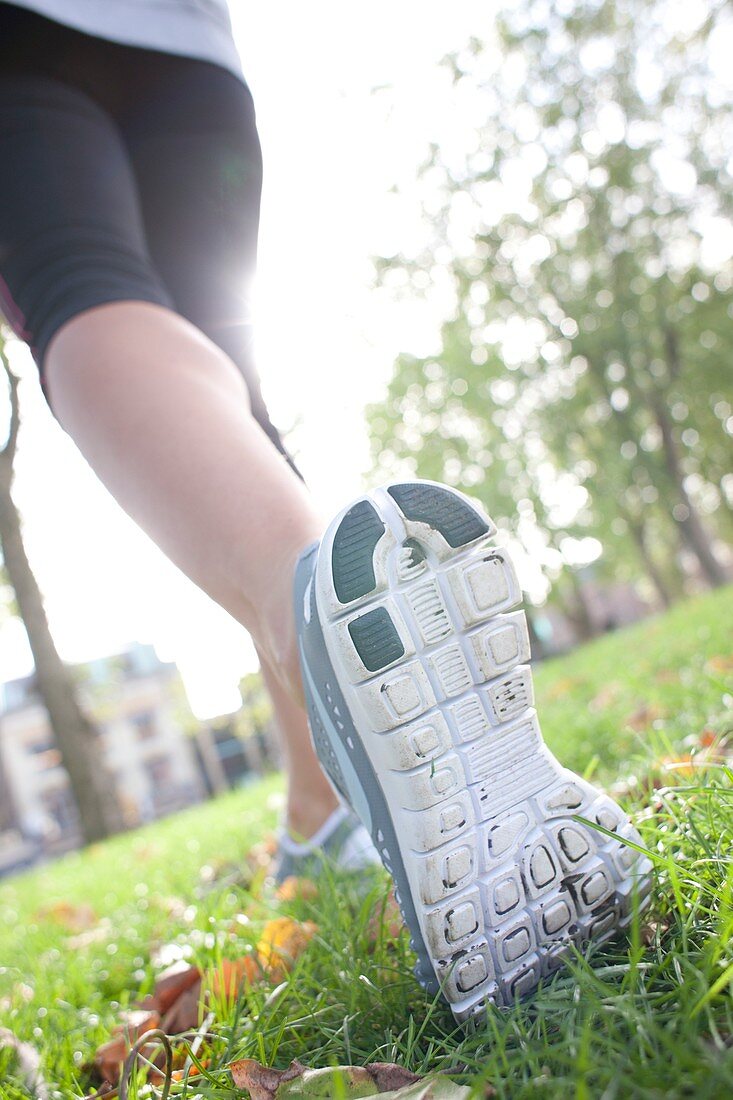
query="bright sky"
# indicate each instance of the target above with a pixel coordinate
(333, 147)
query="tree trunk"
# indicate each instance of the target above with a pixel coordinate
(8, 815)
(77, 740)
(690, 525)
(575, 606)
(638, 532)
(691, 530)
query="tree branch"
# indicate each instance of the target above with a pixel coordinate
(8, 451)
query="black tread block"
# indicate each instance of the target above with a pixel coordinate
(376, 639)
(456, 520)
(352, 558)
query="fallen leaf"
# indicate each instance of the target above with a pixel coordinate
(721, 663)
(297, 889)
(134, 1022)
(230, 975)
(708, 738)
(386, 921)
(183, 1014)
(645, 716)
(435, 1088)
(106, 1091)
(378, 1078)
(74, 918)
(605, 698)
(262, 1082)
(667, 676)
(683, 766)
(172, 982)
(389, 1076)
(109, 1058)
(283, 940)
(562, 687)
(651, 932)
(261, 855)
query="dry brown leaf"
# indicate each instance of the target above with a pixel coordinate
(109, 1058)
(74, 918)
(174, 1006)
(261, 855)
(262, 1082)
(386, 921)
(134, 1022)
(388, 1076)
(230, 975)
(645, 716)
(606, 697)
(666, 676)
(721, 663)
(562, 687)
(297, 889)
(171, 983)
(651, 932)
(184, 1013)
(377, 1078)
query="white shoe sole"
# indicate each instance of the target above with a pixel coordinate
(419, 613)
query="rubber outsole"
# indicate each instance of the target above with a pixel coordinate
(431, 654)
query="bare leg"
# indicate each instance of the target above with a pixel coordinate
(162, 416)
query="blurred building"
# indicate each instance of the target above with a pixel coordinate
(135, 701)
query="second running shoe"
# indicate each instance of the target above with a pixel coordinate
(415, 662)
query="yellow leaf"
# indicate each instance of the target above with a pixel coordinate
(292, 889)
(282, 941)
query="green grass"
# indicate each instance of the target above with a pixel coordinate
(651, 1017)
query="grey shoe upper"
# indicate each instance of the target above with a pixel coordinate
(347, 847)
(341, 752)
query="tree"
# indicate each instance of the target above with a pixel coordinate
(77, 739)
(585, 367)
(255, 724)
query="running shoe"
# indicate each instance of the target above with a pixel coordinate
(415, 661)
(341, 844)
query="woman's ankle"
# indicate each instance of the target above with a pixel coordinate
(307, 811)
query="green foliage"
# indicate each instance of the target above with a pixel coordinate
(256, 715)
(584, 375)
(648, 1018)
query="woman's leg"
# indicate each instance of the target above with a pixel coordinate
(195, 152)
(157, 408)
(162, 416)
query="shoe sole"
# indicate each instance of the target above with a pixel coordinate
(420, 616)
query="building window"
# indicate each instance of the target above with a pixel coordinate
(45, 753)
(145, 725)
(159, 769)
(60, 807)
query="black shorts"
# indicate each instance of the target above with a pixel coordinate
(125, 174)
